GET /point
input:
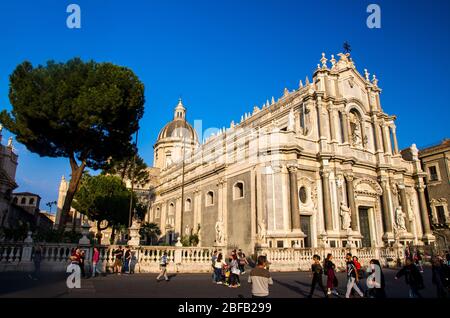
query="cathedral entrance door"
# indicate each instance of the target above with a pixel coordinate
(364, 226)
(305, 225)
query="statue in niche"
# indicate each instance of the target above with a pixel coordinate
(345, 215)
(400, 218)
(262, 230)
(355, 125)
(220, 239)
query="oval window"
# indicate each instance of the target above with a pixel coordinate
(302, 194)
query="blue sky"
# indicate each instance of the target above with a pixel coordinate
(224, 57)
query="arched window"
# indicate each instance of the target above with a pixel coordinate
(158, 213)
(171, 209)
(15, 200)
(210, 198)
(238, 190)
(171, 214)
(23, 201)
(31, 201)
(188, 205)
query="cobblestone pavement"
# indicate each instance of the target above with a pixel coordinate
(286, 285)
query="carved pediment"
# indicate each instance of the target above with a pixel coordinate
(368, 187)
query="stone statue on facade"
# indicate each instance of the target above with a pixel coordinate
(356, 135)
(345, 215)
(10, 142)
(291, 121)
(400, 218)
(262, 232)
(220, 239)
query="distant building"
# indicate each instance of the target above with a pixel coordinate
(27, 201)
(8, 165)
(436, 164)
(45, 220)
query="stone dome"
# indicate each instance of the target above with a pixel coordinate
(178, 127)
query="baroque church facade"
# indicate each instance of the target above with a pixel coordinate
(319, 167)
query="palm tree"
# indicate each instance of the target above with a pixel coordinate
(150, 231)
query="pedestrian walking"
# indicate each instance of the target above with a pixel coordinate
(352, 277)
(418, 259)
(235, 272)
(82, 262)
(117, 267)
(317, 272)
(242, 259)
(360, 273)
(213, 261)
(260, 279)
(332, 281)
(163, 267)
(37, 259)
(95, 259)
(440, 273)
(127, 259)
(413, 278)
(375, 280)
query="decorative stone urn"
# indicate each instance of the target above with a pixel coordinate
(85, 231)
(134, 233)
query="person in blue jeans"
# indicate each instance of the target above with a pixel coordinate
(218, 267)
(213, 261)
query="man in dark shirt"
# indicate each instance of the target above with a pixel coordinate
(118, 262)
(352, 277)
(413, 278)
(317, 272)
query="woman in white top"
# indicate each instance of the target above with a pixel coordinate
(218, 265)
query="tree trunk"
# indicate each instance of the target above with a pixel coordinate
(77, 172)
(113, 235)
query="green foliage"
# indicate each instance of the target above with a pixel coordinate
(140, 210)
(83, 111)
(149, 232)
(190, 240)
(130, 168)
(18, 233)
(56, 236)
(103, 198)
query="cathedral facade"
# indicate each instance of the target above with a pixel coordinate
(319, 167)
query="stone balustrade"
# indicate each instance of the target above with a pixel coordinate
(145, 259)
(293, 259)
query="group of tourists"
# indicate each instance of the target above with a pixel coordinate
(375, 281)
(123, 261)
(375, 277)
(228, 271)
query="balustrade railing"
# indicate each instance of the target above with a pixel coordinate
(55, 256)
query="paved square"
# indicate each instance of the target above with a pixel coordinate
(286, 285)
